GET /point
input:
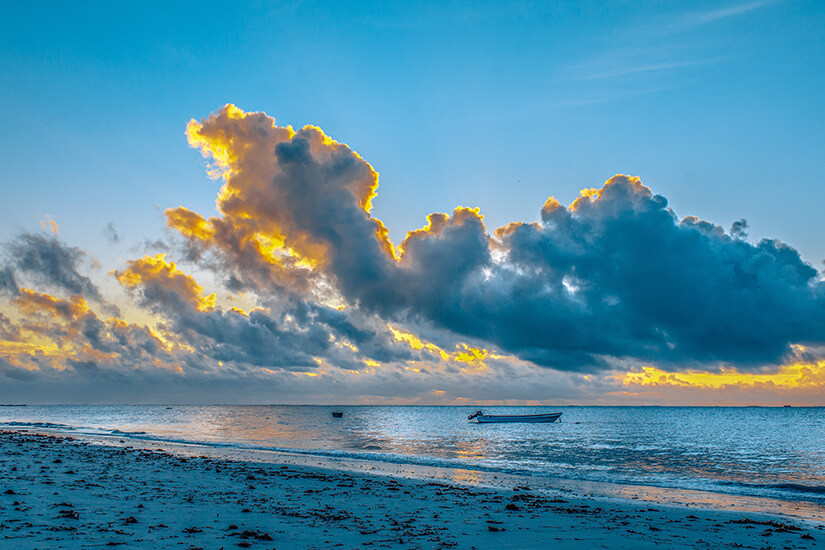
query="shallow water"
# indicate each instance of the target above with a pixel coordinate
(764, 452)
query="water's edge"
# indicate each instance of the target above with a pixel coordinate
(551, 487)
(774, 454)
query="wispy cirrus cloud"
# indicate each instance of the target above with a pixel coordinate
(592, 72)
(662, 53)
(720, 13)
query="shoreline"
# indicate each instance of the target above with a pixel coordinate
(804, 510)
(131, 488)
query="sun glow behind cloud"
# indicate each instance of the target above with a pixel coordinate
(472, 359)
(787, 377)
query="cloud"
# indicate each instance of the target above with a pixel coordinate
(8, 330)
(162, 283)
(46, 339)
(722, 13)
(289, 334)
(739, 229)
(615, 275)
(53, 334)
(33, 303)
(292, 201)
(111, 233)
(315, 295)
(634, 281)
(49, 225)
(47, 260)
(8, 284)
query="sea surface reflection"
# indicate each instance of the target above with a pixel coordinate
(772, 452)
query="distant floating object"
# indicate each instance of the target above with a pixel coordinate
(482, 418)
(167, 408)
(786, 406)
(336, 414)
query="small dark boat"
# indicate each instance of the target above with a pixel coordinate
(482, 418)
(336, 414)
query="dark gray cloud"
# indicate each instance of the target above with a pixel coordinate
(111, 233)
(49, 261)
(616, 276)
(8, 284)
(289, 333)
(291, 338)
(619, 276)
(739, 228)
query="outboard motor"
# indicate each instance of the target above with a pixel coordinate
(474, 415)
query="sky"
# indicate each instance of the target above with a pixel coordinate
(305, 202)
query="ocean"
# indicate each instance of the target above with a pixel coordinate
(776, 453)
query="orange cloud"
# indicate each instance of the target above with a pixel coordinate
(788, 377)
(591, 195)
(469, 357)
(32, 302)
(190, 224)
(157, 272)
(59, 333)
(50, 225)
(282, 189)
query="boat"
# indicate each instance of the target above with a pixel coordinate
(482, 418)
(337, 414)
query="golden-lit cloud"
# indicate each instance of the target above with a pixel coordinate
(61, 334)
(283, 195)
(49, 225)
(468, 357)
(33, 302)
(437, 223)
(787, 377)
(190, 224)
(155, 272)
(628, 184)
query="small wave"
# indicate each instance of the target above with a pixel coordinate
(790, 487)
(127, 434)
(38, 425)
(367, 455)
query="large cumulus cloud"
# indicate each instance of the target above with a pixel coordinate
(286, 198)
(632, 280)
(614, 276)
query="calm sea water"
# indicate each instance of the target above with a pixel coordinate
(771, 452)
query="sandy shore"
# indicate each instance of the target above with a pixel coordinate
(58, 492)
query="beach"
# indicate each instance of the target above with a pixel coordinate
(58, 491)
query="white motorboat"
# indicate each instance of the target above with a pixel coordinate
(482, 418)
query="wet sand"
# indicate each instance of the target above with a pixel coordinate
(60, 492)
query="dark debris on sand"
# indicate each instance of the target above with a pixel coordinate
(150, 498)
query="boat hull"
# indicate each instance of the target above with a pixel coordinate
(525, 418)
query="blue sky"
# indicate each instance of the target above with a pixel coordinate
(496, 105)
